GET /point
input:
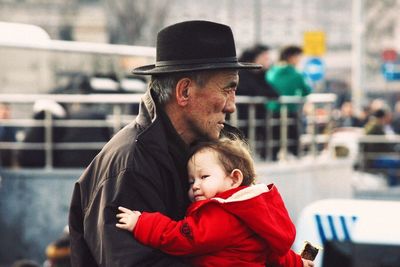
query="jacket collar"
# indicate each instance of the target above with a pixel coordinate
(160, 136)
(241, 193)
(224, 195)
(151, 114)
(147, 110)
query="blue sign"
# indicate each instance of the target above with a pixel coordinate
(314, 69)
(391, 71)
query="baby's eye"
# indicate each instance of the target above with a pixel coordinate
(191, 182)
(205, 176)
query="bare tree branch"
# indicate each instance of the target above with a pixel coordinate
(135, 22)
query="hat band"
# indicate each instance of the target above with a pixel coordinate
(196, 61)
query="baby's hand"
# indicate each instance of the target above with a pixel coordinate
(307, 263)
(127, 218)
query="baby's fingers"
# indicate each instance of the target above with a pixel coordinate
(122, 215)
(124, 209)
(122, 226)
(123, 220)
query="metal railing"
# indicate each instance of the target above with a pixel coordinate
(380, 154)
(117, 118)
(310, 136)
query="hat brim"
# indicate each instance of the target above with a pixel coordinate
(153, 69)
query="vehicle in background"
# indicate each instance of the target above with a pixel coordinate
(355, 230)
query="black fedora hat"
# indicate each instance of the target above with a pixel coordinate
(194, 45)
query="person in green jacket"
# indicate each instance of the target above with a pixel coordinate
(287, 81)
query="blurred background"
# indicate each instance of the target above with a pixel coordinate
(66, 88)
(371, 27)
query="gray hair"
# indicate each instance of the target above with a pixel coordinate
(164, 85)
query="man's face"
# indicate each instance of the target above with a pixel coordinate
(295, 59)
(263, 60)
(208, 106)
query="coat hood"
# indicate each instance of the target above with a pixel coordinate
(274, 226)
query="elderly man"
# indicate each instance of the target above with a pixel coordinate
(143, 167)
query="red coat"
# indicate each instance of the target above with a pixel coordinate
(245, 226)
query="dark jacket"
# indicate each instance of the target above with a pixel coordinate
(65, 157)
(136, 169)
(86, 135)
(253, 83)
(37, 158)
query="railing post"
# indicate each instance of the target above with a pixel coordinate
(299, 122)
(330, 122)
(282, 154)
(117, 118)
(314, 133)
(252, 128)
(233, 119)
(268, 135)
(48, 139)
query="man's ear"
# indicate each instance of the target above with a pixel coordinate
(237, 178)
(182, 91)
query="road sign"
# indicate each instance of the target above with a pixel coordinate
(314, 43)
(389, 55)
(391, 71)
(314, 69)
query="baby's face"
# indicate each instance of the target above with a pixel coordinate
(207, 177)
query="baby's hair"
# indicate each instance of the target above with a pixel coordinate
(233, 153)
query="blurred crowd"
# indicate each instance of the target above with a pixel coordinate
(280, 77)
(377, 118)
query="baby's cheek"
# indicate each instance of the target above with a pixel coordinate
(191, 195)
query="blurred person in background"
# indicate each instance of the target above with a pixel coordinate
(380, 117)
(364, 114)
(347, 118)
(7, 134)
(253, 83)
(58, 252)
(78, 157)
(25, 263)
(377, 151)
(36, 134)
(379, 123)
(396, 118)
(287, 81)
(81, 157)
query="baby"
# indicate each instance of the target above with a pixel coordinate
(231, 222)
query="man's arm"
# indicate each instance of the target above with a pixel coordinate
(97, 237)
(80, 252)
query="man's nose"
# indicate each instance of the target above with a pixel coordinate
(230, 105)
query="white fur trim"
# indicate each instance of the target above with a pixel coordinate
(245, 194)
